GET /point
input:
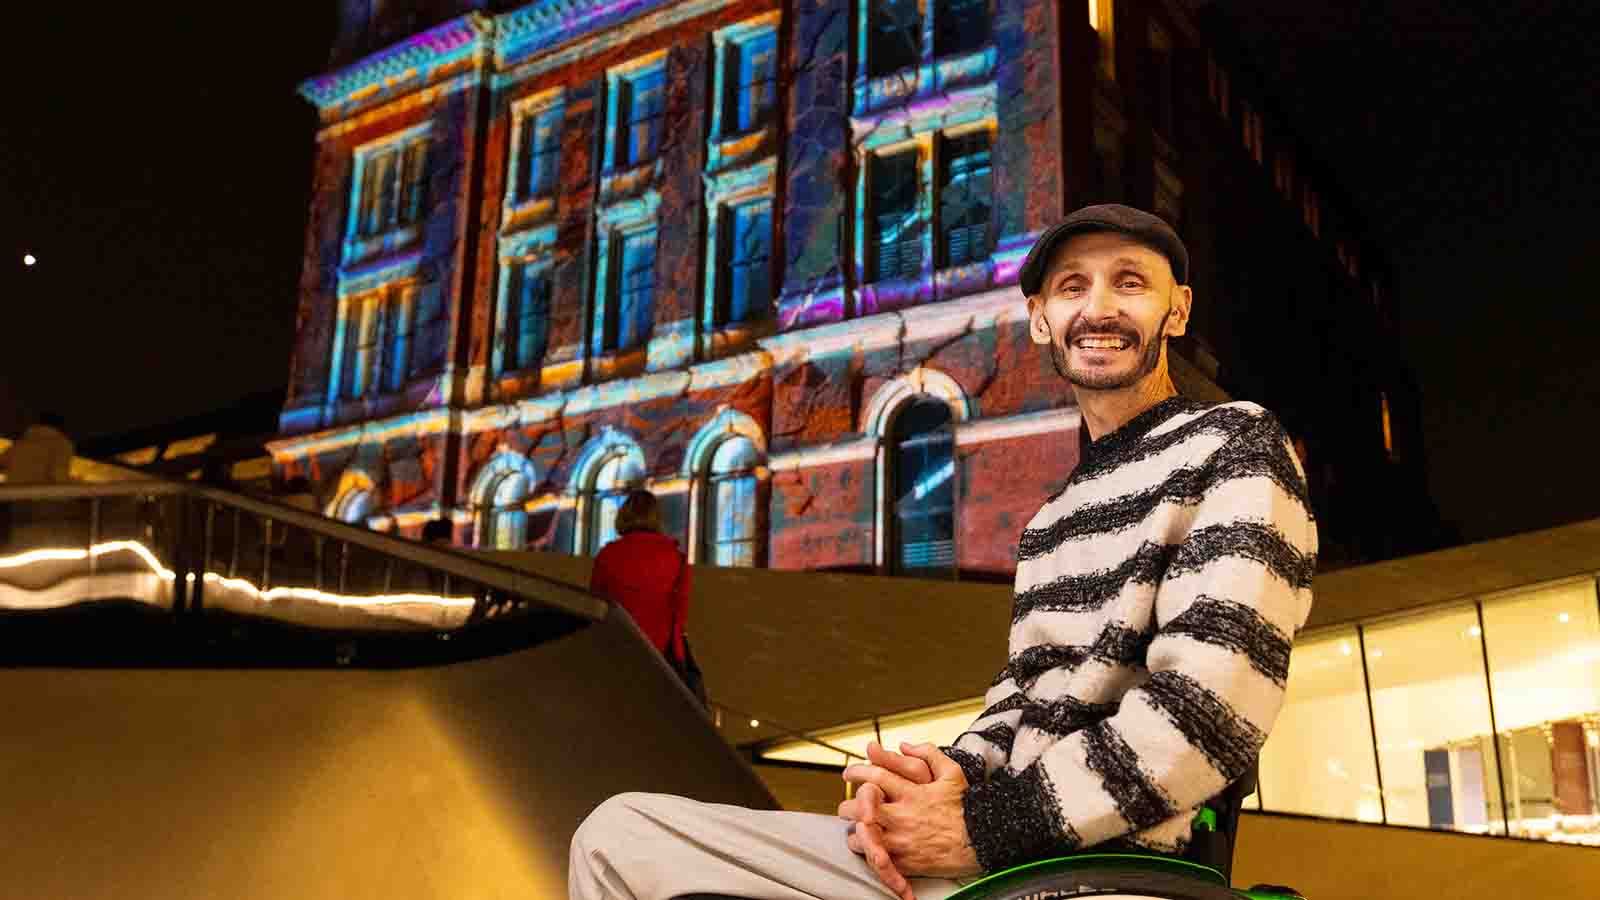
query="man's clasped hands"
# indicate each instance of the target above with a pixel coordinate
(906, 816)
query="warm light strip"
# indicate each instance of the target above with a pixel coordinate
(69, 554)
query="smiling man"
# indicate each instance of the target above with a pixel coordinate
(1157, 595)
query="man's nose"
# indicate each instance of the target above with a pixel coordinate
(1102, 302)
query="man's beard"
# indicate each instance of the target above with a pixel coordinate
(1096, 381)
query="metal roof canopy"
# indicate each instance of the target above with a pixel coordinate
(813, 650)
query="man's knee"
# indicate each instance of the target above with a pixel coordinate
(618, 815)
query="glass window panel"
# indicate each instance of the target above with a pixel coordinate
(1319, 759)
(635, 311)
(895, 35)
(399, 312)
(896, 236)
(1430, 703)
(736, 454)
(541, 149)
(527, 317)
(960, 26)
(924, 490)
(749, 263)
(755, 67)
(966, 194)
(644, 98)
(1544, 669)
(414, 183)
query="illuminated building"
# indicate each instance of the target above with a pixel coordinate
(761, 257)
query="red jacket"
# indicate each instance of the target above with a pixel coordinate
(646, 573)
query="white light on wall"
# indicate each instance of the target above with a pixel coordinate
(1345, 649)
(755, 723)
(1564, 618)
(29, 259)
(1475, 631)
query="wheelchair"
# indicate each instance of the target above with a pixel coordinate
(1203, 872)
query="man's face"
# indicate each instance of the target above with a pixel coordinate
(1106, 307)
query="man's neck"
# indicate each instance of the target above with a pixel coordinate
(1106, 411)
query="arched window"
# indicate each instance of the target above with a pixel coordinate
(500, 494)
(355, 499)
(613, 478)
(731, 526)
(354, 506)
(505, 521)
(921, 474)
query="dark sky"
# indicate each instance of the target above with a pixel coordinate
(157, 159)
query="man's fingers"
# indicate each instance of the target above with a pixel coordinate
(913, 770)
(942, 767)
(869, 804)
(877, 856)
(893, 785)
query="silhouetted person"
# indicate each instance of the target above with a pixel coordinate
(439, 533)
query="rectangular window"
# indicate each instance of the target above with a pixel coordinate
(1100, 19)
(747, 287)
(1250, 123)
(894, 36)
(641, 100)
(960, 26)
(1311, 209)
(539, 143)
(1544, 669)
(361, 345)
(1217, 85)
(526, 325)
(1283, 174)
(895, 233)
(393, 187)
(966, 195)
(752, 79)
(733, 507)
(1430, 703)
(628, 314)
(399, 312)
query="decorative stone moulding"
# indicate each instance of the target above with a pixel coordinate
(414, 62)
(524, 34)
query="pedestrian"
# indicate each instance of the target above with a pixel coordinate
(439, 533)
(644, 571)
(1157, 598)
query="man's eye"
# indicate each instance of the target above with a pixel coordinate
(1131, 283)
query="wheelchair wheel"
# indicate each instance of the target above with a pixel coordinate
(1126, 876)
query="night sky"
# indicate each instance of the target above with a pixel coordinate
(156, 158)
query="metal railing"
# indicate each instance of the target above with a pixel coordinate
(227, 566)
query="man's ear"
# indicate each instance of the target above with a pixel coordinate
(1178, 319)
(1038, 328)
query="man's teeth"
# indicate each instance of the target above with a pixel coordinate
(1102, 343)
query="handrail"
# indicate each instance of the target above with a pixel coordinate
(490, 574)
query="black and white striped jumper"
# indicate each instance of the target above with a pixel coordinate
(1157, 595)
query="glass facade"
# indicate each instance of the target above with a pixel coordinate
(1444, 719)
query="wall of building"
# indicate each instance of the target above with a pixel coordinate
(1072, 114)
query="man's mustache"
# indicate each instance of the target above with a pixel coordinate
(1081, 329)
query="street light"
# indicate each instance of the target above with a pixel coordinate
(29, 259)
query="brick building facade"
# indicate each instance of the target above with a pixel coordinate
(761, 256)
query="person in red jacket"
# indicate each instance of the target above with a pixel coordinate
(645, 572)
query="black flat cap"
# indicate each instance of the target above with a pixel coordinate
(1149, 230)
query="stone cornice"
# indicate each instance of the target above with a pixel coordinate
(409, 64)
(532, 30)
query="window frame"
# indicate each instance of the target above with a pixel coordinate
(525, 207)
(942, 162)
(534, 251)
(620, 85)
(360, 241)
(613, 225)
(387, 313)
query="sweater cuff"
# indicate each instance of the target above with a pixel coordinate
(1013, 819)
(970, 763)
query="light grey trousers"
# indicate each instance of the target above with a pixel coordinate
(657, 847)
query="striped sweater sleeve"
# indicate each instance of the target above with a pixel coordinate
(986, 745)
(1235, 592)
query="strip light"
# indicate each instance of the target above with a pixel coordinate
(72, 554)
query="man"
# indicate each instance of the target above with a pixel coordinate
(1157, 595)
